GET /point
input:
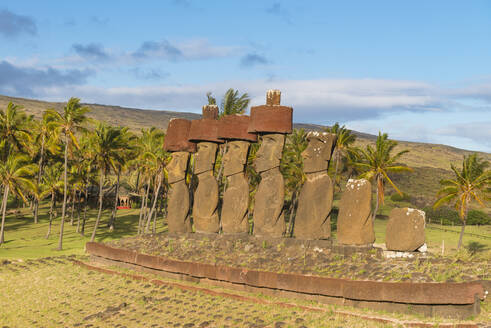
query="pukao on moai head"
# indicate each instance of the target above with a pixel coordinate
(233, 129)
(176, 141)
(315, 200)
(205, 206)
(271, 122)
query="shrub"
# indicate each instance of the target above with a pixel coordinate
(396, 197)
(442, 215)
(476, 217)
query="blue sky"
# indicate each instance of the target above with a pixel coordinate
(418, 70)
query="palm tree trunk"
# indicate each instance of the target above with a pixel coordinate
(142, 209)
(51, 214)
(292, 215)
(4, 209)
(65, 192)
(464, 221)
(376, 201)
(222, 152)
(101, 197)
(155, 196)
(338, 156)
(73, 206)
(115, 208)
(40, 173)
(79, 208)
(85, 209)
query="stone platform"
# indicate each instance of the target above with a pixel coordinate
(455, 300)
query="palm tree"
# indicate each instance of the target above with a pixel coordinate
(51, 185)
(345, 139)
(45, 136)
(68, 122)
(126, 155)
(14, 129)
(233, 104)
(472, 182)
(292, 168)
(376, 163)
(107, 146)
(15, 175)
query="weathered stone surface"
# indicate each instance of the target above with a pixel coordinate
(178, 220)
(210, 112)
(269, 154)
(405, 229)
(236, 194)
(355, 225)
(204, 130)
(318, 153)
(177, 135)
(271, 118)
(269, 220)
(315, 200)
(205, 206)
(178, 197)
(314, 208)
(234, 127)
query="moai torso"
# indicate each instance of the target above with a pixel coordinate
(236, 194)
(312, 220)
(205, 207)
(176, 142)
(268, 206)
(178, 197)
(355, 224)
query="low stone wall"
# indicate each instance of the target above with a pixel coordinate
(457, 300)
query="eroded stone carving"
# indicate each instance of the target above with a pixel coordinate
(272, 121)
(405, 230)
(205, 205)
(176, 141)
(315, 200)
(355, 225)
(234, 214)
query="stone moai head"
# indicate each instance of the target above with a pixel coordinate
(204, 132)
(176, 169)
(176, 141)
(235, 159)
(270, 152)
(318, 153)
(272, 121)
(205, 157)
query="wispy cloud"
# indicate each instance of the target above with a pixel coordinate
(189, 50)
(27, 81)
(479, 132)
(13, 25)
(277, 9)
(93, 51)
(149, 74)
(253, 59)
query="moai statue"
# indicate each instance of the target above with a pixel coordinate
(233, 128)
(355, 224)
(315, 200)
(205, 206)
(176, 141)
(405, 230)
(272, 122)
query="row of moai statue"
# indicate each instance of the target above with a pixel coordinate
(270, 122)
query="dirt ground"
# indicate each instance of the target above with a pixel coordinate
(318, 258)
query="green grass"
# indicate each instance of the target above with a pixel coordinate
(26, 240)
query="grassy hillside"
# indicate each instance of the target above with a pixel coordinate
(430, 161)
